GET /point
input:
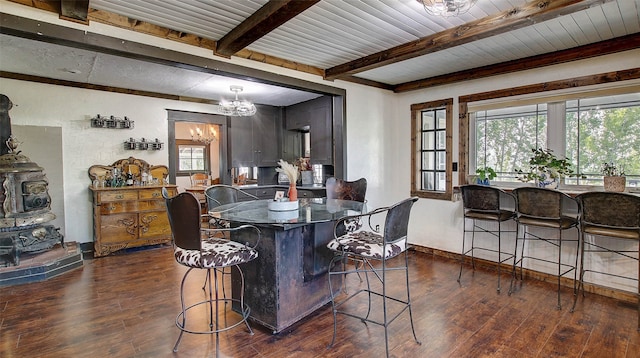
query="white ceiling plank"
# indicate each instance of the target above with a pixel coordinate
(570, 26)
(588, 29)
(531, 38)
(630, 11)
(597, 17)
(614, 19)
(562, 34)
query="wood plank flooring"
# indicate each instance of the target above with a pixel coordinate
(125, 306)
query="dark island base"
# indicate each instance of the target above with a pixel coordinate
(288, 281)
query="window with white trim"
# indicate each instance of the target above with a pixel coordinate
(589, 130)
(193, 157)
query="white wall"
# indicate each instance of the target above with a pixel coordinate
(378, 129)
(83, 146)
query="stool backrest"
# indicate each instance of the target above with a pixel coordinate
(610, 209)
(183, 211)
(346, 190)
(397, 221)
(540, 202)
(221, 194)
(481, 197)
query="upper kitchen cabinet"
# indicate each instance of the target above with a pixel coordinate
(314, 116)
(253, 141)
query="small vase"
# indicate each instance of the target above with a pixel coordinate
(547, 181)
(293, 192)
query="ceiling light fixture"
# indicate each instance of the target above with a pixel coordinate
(207, 136)
(236, 107)
(447, 8)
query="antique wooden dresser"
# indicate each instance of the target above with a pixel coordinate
(129, 216)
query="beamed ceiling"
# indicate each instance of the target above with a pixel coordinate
(390, 44)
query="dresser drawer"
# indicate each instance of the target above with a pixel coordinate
(118, 195)
(117, 207)
(155, 193)
(152, 205)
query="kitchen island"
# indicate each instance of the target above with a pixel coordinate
(288, 281)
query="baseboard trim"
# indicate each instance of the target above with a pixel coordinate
(625, 296)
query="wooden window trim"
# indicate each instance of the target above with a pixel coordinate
(416, 147)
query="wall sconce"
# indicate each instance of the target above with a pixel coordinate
(142, 144)
(111, 122)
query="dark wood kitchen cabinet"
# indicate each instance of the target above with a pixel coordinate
(314, 116)
(254, 140)
(321, 133)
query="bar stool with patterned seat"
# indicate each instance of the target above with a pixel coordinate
(482, 203)
(545, 209)
(612, 220)
(210, 250)
(377, 252)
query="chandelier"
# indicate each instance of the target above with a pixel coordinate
(447, 8)
(236, 107)
(207, 136)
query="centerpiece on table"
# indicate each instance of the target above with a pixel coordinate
(613, 177)
(545, 169)
(291, 171)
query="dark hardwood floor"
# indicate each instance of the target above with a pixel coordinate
(125, 306)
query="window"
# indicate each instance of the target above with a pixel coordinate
(504, 138)
(431, 154)
(193, 157)
(589, 131)
(604, 129)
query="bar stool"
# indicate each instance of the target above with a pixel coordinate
(611, 217)
(217, 195)
(369, 246)
(486, 204)
(348, 190)
(196, 248)
(545, 209)
(221, 194)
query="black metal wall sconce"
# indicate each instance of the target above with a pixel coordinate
(143, 144)
(111, 122)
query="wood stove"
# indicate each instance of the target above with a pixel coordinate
(25, 204)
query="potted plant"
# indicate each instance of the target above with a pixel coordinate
(545, 169)
(613, 177)
(484, 175)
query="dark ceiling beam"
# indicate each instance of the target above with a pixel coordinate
(124, 22)
(366, 82)
(280, 62)
(266, 19)
(516, 18)
(606, 47)
(83, 85)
